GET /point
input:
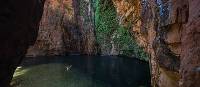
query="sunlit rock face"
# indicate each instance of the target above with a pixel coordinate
(129, 12)
(168, 29)
(63, 29)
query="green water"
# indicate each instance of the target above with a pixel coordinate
(82, 71)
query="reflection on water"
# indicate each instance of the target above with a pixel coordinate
(113, 71)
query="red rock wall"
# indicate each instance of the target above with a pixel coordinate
(168, 29)
(190, 54)
(50, 36)
(84, 17)
(63, 29)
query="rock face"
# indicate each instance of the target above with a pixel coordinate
(82, 27)
(64, 29)
(84, 17)
(190, 57)
(19, 22)
(50, 37)
(169, 30)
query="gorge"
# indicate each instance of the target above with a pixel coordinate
(164, 33)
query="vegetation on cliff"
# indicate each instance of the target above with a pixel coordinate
(113, 38)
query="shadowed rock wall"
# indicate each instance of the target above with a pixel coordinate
(19, 22)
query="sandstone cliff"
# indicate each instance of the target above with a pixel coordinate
(168, 29)
(50, 36)
(66, 27)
